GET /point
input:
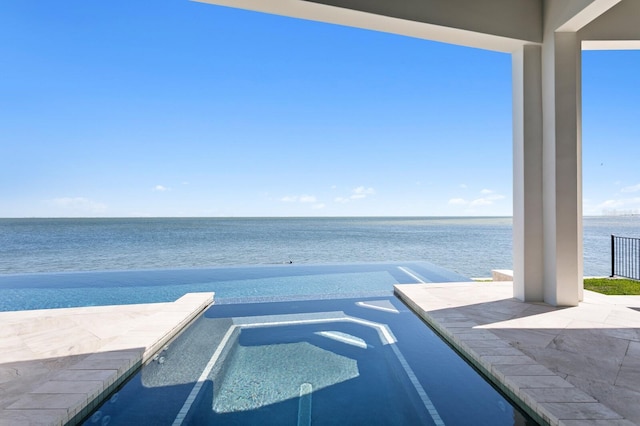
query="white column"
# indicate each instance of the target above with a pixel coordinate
(527, 174)
(562, 169)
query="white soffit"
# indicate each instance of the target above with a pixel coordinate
(587, 15)
(617, 29)
(611, 45)
(352, 18)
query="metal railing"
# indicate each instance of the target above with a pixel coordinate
(625, 257)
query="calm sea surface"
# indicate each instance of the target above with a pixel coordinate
(469, 246)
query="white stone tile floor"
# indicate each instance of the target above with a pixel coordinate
(58, 364)
(570, 366)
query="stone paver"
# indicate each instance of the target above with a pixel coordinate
(569, 366)
(56, 364)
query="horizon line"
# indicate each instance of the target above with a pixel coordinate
(292, 217)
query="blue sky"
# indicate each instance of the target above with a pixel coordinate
(176, 108)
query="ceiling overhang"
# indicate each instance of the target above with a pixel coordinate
(500, 25)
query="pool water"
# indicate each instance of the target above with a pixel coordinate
(343, 361)
(243, 283)
(283, 345)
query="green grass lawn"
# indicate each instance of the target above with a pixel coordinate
(613, 286)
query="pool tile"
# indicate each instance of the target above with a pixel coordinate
(497, 351)
(579, 411)
(608, 422)
(120, 365)
(33, 417)
(478, 335)
(89, 387)
(131, 355)
(629, 376)
(548, 382)
(523, 370)
(564, 394)
(458, 324)
(103, 375)
(526, 338)
(493, 343)
(570, 364)
(65, 401)
(508, 360)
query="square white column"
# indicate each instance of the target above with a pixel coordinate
(547, 171)
(562, 169)
(527, 174)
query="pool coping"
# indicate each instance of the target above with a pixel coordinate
(124, 337)
(451, 309)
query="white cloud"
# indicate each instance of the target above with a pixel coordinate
(622, 202)
(318, 206)
(299, 199)
(361, 192)
(482, 201)
(618, 206)
(79, 204)
(160, 188)
(463, 186)
(486, 201)
(458, 201)
(609, 204)
(356, 194)
(633, 188)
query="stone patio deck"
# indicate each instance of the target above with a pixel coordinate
(571, 366)
(56, 365)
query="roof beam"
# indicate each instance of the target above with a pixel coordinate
(580, 13)
(617, 29)
(501, 25)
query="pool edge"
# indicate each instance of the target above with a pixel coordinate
(68, 395)
(441, 306)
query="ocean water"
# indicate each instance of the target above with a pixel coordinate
(468, 246)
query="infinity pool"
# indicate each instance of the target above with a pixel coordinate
(242, 283)
(284, 345)
(355, 361)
